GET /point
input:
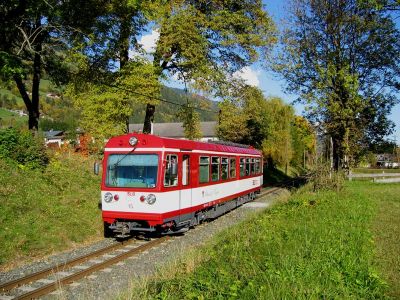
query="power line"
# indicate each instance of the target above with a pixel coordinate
(162, 99)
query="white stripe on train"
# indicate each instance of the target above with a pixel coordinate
(177, 150)
(178, 199)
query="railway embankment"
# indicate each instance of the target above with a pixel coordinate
(47, 211)
(108, 282)
(317, 245)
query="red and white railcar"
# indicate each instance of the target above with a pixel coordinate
(160, 184)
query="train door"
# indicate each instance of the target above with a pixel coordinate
(185, 197)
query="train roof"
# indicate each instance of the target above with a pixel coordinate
(153, 141)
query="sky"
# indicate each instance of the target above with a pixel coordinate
(268, 82)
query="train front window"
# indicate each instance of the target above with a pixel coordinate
(132, 170)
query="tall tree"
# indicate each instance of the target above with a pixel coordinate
(113, 79)
(190, 122)
(341, 56)
(33, 37)
(249, 118)
(106, 105)
(277, 144)
(303, 142)
(206, 41)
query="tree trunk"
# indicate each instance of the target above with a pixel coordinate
(270, 163)
(34, 113)
(123, 45)
(149, 118)
(124, 39)
(336, 154)
(32, 105)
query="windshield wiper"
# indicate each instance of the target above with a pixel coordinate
(122, 158)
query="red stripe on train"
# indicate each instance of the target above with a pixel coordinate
(158, 219)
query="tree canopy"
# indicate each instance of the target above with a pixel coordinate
(201, 43)
(267, 124)
(33, 37)
(341, 56)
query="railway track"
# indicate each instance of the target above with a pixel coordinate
(45, 281)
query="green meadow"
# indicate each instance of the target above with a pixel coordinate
(322, 245)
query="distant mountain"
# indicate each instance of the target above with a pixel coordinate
(166, 112)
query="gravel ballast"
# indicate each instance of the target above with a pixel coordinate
(111, 282)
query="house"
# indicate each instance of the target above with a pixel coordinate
(54, 138)
(175, 130)
(386, 160)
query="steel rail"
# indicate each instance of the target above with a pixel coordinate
(46, 289)
(268, 191)
(57, 268)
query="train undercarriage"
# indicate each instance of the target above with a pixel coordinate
(125, 228)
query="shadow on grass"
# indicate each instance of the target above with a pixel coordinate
(275, 177)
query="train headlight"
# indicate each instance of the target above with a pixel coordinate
(108, 197)
(133, 141)
(150, 199)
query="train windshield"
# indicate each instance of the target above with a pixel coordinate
(132, 170)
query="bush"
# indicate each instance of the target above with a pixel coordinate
(324, 178)
(23, 148)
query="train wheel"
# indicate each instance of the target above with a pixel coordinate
(193, 222)
(108, 233)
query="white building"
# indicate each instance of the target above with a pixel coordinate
(54, 137)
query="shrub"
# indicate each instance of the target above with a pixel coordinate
(23, 148)
(324, 178)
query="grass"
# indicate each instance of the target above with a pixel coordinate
(10, 94)
(386, 229)
(10, 119)
(317, 246)
(4, 113)
(42, 213)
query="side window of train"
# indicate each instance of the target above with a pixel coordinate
(224, 168)
(215, 168)
(232, 168)
(257, 166)
(242, 167)
(248, 166)
(204, 166)
(185, 170)
(252, 167)
(171, 170)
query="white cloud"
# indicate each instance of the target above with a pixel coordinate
(149, 41)
(133, 53)
(249, 76)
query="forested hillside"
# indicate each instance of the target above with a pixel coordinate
(166, 112)
(58, 112)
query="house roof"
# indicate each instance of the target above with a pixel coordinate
(53, 134)
(175, 130)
